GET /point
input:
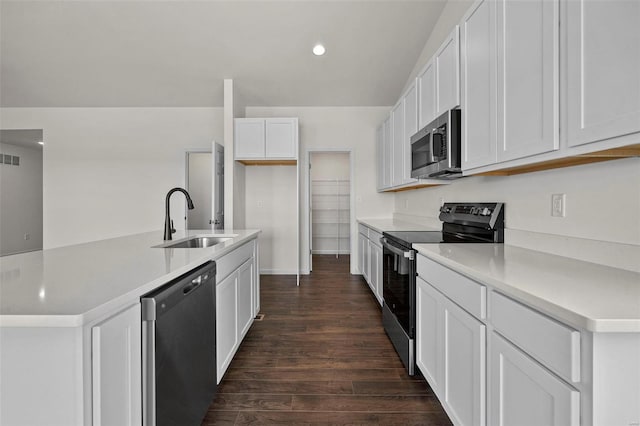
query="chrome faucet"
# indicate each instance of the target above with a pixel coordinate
(168, 223)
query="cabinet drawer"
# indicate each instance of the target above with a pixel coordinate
(363, 230)
(467, 293)
(231, 261)
(374, 237)
(554, 344)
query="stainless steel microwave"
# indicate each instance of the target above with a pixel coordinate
(436, 148)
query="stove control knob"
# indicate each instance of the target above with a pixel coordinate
(485, 212)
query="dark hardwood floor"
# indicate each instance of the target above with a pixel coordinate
(321, 357)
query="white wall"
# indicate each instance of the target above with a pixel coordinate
(330, 165)
(271, 206)
(21, 200)
(107, 170)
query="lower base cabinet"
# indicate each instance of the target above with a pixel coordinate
(522, 392)
(370, 259)
(450, 352)
(116, 369)
(237, 303)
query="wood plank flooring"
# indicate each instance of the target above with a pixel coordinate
(321, 357)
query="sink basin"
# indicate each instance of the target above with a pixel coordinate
(196, 242)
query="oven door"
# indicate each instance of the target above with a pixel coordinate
(399, 284)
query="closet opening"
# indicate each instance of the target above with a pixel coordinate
(329, 204)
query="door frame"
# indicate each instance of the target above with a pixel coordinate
(306, 210)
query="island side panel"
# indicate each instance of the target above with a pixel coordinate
(42, 376)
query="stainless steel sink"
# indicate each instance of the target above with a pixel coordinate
(196, 242)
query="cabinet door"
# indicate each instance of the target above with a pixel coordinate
(226, 322)
(375, 268)
(426, 95)
(397, 115)
(245, 302)
(527, 75)
(380, 157)
(465, 369)
(116, 369)
(376, 271)
(429, 336)
(256, 278)
(522, 392)
(281, 138)
(249, 138)
(479, 91)
(362, 243)
(410, 129)
(388, 153)
(447, 63)
(602, 70)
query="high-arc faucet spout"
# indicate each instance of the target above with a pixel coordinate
(168, 223)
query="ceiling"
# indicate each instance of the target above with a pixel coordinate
(27, 138)
(152, 53)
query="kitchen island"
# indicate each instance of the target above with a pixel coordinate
(70, 322)
(507, 335)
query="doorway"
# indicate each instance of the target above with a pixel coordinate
(205, 184)
(21, 189)
(330, 207)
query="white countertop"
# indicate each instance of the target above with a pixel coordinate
(389, 224)
(587, 295)
(74, 285)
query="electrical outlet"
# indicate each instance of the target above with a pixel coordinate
(558, 205)
(27, 236)
(260, 203)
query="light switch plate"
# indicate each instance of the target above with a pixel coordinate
(558, 205)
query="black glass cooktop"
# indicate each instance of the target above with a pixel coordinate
(407, 238)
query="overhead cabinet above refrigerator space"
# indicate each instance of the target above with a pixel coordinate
(266, 140)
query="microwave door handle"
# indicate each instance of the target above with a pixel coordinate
(436, 144)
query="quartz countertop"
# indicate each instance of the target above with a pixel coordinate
(389, 224)
(74, 285)
(586, 295)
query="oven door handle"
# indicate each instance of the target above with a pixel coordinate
(393, 249)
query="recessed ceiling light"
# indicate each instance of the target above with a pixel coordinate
(319, 50)
(41, 143)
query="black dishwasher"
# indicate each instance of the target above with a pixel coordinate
(179, 349)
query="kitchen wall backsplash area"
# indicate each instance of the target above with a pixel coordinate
(601, 221)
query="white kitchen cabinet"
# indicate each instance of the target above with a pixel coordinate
(506, 43)
(387, 153)
(266, 138)
(245, 298)
(528, 75)
(426, 94)
(410, 100)
(398, 143)
(236, 293)
(464, 366)
(375, 269)
(226, 322)
(447, 64)
(116, 369)
(380, 157)
(479, 87)
(522, 392)
(602, 83)
(439, 81)
(429, 333)
(450, 352)
(249, 138)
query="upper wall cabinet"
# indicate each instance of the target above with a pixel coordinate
(439, 81)
(266, 139)
(602, 74)
(510, 80)
(398, 143)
